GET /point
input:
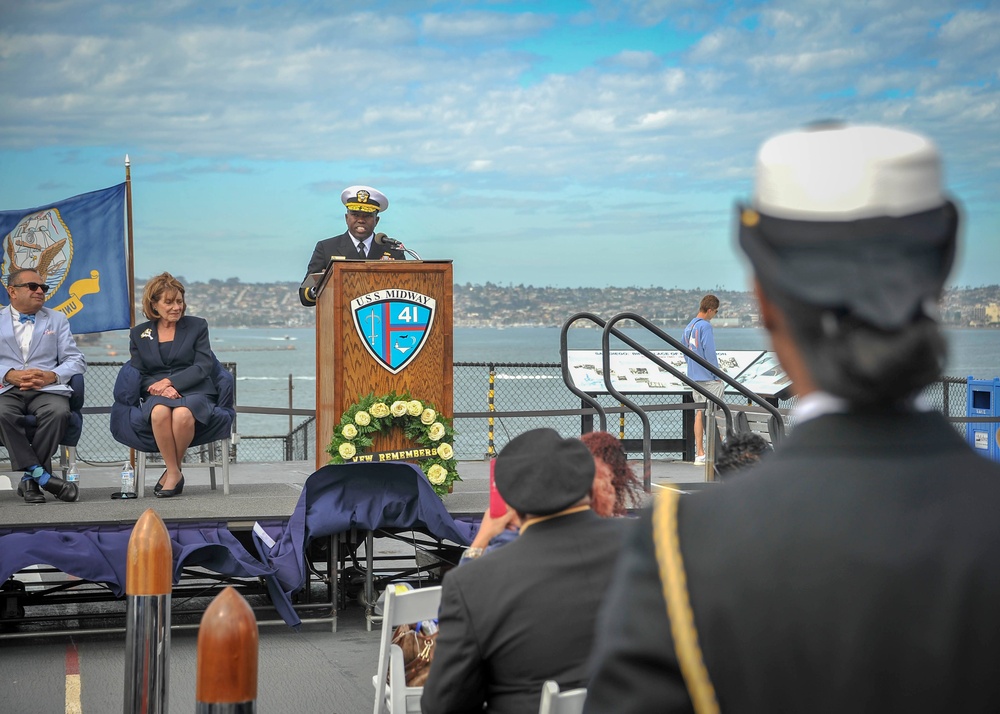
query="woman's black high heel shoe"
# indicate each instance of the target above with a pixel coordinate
(170, 492)
(159, 483)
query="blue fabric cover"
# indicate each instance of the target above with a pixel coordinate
(130, 427)
(98, 554)
(366, 496)
(335, 499)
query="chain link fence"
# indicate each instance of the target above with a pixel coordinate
(493, 402)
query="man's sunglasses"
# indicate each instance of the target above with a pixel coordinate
(32, 286)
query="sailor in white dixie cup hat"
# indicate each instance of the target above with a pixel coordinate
(850, 224)
(856, 567)
(364, 208)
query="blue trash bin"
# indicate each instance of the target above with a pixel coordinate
(982, 399)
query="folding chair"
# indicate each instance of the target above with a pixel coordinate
(556, 702)
(400, 608)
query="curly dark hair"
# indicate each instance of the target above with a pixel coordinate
(739, 451)
(628, 488)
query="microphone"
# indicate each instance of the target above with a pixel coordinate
(383, 239)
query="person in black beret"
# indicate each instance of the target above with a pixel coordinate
(525, 613)
(856, 568)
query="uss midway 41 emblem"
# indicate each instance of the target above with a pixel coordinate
(393, 325)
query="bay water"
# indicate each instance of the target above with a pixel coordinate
(276, 367)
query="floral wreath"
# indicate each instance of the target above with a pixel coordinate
(420, 422)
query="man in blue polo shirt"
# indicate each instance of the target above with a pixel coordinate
(698, 337)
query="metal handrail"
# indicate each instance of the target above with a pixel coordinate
(647, 449)
(681, 347)
(564, 362)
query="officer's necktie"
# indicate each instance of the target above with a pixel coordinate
(361, 251)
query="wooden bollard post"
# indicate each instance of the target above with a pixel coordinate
(227, 657)
(148, 582)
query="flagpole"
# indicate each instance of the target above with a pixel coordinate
(130, 278)
(131, 265)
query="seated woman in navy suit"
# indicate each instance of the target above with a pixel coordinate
(173, 354)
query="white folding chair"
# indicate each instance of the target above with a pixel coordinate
(556, 702)
(400, 608)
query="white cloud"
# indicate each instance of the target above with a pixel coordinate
(483, 26)
(441, 101)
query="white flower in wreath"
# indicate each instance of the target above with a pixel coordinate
(437, 474)
(147, 334)
(347, 450)
(414, 408)
(427, 416)
(445, 451)
(349, 431)
(362, 418)
(379, 410)
(436, 432)
(398, 409)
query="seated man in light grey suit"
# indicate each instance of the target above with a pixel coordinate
(37, 358)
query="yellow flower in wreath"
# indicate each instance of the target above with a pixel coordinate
(398, 409)
(436, 431)
(347, 450)
(379, 410)
(428, 416)
(445, 451)
(362, 418)
(414, 408)
(436, 474)
(349, 431)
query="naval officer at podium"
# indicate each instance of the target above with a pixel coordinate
(364, 204)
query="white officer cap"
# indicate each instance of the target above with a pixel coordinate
(364, 198)
(852, 218)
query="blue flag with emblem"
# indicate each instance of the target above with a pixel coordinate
(78, 247)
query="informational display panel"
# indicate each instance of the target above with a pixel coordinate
(633, 373)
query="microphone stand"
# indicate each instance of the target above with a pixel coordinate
(383, 239)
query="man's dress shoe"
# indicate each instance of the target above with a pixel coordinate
(63, 490)
(28, 489)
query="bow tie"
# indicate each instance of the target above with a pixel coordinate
(26, 318)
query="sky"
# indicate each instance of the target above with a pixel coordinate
(562, 144)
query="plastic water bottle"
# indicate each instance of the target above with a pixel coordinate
(128, 478)
(72, 474)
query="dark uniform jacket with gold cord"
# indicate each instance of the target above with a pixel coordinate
(856, 569)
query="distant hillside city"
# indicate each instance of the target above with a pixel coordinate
(231, 303)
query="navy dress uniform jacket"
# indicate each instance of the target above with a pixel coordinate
(342, 245)
(856, 569)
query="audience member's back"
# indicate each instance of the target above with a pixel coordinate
(526, 612)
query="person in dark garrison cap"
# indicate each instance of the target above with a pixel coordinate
(525, 613)
(365, 205)
(856, 568)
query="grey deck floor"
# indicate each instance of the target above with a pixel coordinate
(312, 670)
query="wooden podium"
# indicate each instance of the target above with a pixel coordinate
(347, 369)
